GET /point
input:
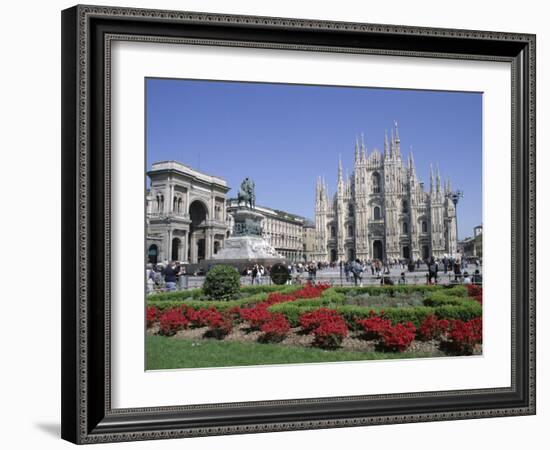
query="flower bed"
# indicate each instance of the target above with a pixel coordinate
(450, 317)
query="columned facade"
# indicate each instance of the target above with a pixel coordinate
(185, 217)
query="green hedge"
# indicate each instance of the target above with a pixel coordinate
(197, 294)
(176, 295)
(389, 290)
(221, 305)
(465, 311)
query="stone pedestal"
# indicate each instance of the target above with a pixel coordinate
(246, 246)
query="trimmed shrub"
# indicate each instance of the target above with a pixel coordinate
(467, 310)
(442, 298)
(397, 338)
(388, 290)
(172, 321)
(221, 283)
(177, 295)
(219, 305)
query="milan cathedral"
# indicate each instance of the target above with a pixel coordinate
(382, 211)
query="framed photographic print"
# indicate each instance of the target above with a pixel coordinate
(282, 224)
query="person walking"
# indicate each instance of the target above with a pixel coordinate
(254, 273)
(457, 268)
(170, 274)
(402, 279)
(357, 270)
(347, 269)
(432, 271)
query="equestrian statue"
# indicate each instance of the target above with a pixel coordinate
(246, 193)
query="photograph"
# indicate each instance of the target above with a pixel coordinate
(301, 223)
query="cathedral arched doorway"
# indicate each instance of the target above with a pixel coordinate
(197, 231)
(176, 245)
(333, 255)
(351, 254)
(406, 254)
(152, 254)
(377, 250)
(425, 252)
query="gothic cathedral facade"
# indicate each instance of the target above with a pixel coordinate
(382, 211)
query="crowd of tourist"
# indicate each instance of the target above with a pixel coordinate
(173, 276)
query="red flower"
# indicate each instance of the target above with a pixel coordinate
(256, 316)
(172, 321)
(464, 336)
(152, 315)
(432, 328)
(275, 329)
(475, 291)
(397, 338)
(219, 325)
(331, 332)
(374, 326)
(311, 320)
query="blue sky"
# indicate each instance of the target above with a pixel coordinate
(284, 136)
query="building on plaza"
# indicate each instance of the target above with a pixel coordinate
(381, 211)
(473, 246)
(185, 213)
(189, 216)
(309, 240)
(282, 230)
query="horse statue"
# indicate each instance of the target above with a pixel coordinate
(246, 193)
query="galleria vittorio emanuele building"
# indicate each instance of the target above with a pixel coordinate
(383, 211)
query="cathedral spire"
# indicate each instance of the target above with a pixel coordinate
(357, 155)
(397, 141)
(340, 176)
(386, 145)
(392, 144)
(432, 184)
(438, 180)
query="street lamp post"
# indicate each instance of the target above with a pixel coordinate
(455, 196)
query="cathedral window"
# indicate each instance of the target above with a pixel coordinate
(376, 213)
(405, 227)
(332, 231)
(405, 206)
(350, 230)
(350, 209)
(424, 226)
(376, 183)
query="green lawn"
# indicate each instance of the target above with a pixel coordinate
(170, 353)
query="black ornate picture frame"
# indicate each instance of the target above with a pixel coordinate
(87, 34)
